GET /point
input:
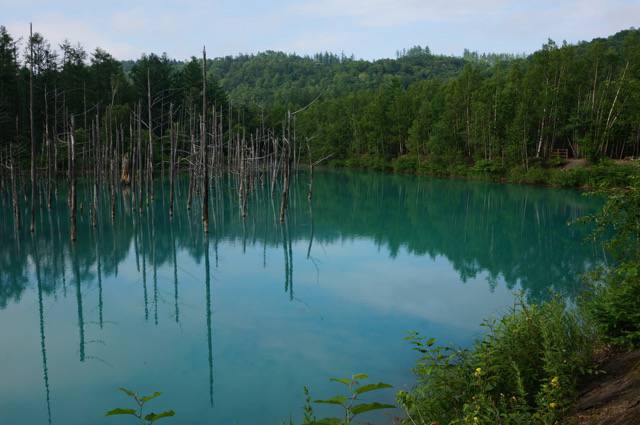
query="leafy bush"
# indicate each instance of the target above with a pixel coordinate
(613, 304)
(608, 174)
(489, 167)
(556, 162)
(368, 162)
(614, 299)
(533, 175)
(524, 371)
(576, 177)
(406, 164)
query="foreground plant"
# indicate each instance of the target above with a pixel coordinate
(525, 370)
(138, 413)
(350, 402)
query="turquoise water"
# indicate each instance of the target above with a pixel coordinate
(231, 327)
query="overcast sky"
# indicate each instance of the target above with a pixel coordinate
(367, 28)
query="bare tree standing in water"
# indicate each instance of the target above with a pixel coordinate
(203, 130)
(33, 140)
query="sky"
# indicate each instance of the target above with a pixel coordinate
(368, 29)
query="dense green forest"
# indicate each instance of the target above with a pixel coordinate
(584, 98)
(417, 112)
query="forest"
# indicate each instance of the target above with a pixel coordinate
(420, 112)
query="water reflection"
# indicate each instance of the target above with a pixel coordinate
(43, 346)
(518, 234)
(373, 256)
(207, 283)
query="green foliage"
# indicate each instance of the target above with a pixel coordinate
(406, 164)
(368, 162)
(140, 401)
(612, 303)
(533, 175)
(350, 402)
(605, 174)
(614, 296)
(489, 167)
(523, 371)
(500, 115)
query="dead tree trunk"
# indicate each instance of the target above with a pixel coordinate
(32, 228)
(284, 199)
(72, 178)
(172, 171)
(48, 145)
(205, 165)
(96, 170)
(150, 127)
(14, 193)
(310, 191)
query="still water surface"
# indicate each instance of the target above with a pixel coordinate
(231, 327)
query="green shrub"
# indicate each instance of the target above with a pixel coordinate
(368, 162)
(613, 301)
(488, 167)
(613, 304)
(556, 162)
(575, 178)
(406, 164)
(524, 371)
(533, 175)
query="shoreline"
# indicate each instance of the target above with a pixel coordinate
(588, 177)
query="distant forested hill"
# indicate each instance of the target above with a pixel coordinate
(270, 77)
(276, 77)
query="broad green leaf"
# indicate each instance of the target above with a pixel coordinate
(344, 381)
(360, 376)
(152, 417)
(328, 421)
(339, 399)
(128, 392)
(120, 411)
(150, 397)
(366, 407)
(372, 387)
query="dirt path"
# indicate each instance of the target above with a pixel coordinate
(575, 163)
(612, 398)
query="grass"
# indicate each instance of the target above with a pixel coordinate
(539, 172)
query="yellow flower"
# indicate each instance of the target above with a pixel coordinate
(478, 372)
(475, 420)
(555, 382)
(553, 405)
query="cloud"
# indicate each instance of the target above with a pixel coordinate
(368, 28)
(490, 25)
(56, 28)
(574, 20)
(386, 13)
